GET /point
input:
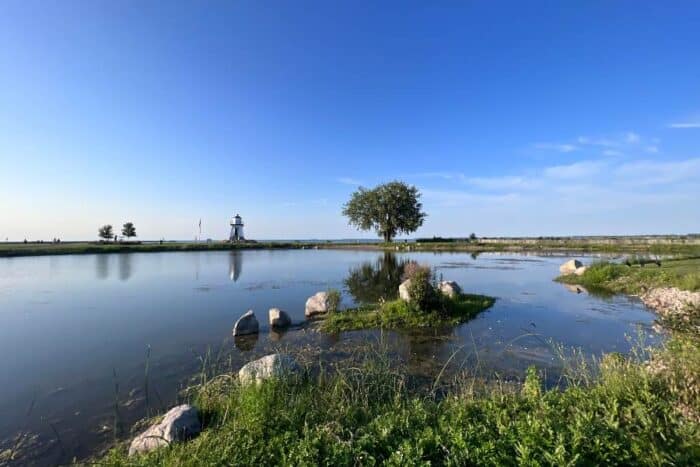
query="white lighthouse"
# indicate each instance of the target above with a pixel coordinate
(236, 229)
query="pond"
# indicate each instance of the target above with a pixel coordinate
(93, 343)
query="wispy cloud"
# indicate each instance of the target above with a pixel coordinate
(503, 183)
(612, 153)
(575, 170)
(560, 147)
(349, 181)
(694, 124)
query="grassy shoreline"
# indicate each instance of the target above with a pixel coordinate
(683, 273)
(397, 314)
(555, 246)
(10, 250)
(621, 413)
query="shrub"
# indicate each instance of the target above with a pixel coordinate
(423, 294)
(334, 299)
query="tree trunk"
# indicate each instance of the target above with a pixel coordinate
(387, 237)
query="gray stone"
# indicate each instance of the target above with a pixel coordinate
(316, 304)
(570, 266)
(246, 324)
(404, 292)
(270, 366)
(279, 318)
(450, 288)
(179, 424)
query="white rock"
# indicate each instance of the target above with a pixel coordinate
(316, 304)
(450, 288)
(180, 423)
(271, 366)
(570, 266)
(404, 292)
(246, 324)
(580, 270)
(279, 318)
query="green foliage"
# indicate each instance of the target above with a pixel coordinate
(389, 209)
(334, 299)
(368, 415)
(105, 232)
(397, 314)
(424, 296)
(128, 230)
(621, 278)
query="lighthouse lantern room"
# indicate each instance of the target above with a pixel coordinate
(236, 229)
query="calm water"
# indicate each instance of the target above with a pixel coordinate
(75, 331)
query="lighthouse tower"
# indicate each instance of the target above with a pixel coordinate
(236, 229)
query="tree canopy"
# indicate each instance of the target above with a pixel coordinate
(390, 209)
(128, 230)
(105, 232)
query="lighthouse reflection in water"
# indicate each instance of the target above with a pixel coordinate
(235, 265)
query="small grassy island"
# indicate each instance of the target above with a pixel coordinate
(398, 314)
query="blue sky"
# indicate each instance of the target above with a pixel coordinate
(513, 118)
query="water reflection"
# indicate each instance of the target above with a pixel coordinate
(101, 266)
(245, 343)
(125, 266)
(372, 281)
(235, 265)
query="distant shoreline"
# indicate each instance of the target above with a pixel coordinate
(608, 244)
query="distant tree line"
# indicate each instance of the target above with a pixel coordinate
(106, 232)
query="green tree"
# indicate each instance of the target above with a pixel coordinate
(128, 230)
(105, 232)
(389, 209)
(472, 236)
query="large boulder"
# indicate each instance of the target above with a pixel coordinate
(279, 318)
(580, 271)
(570, 266)
(270, 366)
(246, 324)
(317, 304)
(404, 290)
(179, 424)
(450, 288)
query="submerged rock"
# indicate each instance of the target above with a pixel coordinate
(449, 288)
(270, 366)
(404, 292)
(316, 304)
(178, 424)
(246, 324)
(279, 318)
(570, 266)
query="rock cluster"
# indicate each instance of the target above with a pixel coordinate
(178, 424)
(670, 301)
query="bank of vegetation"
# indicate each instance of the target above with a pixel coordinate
(75, 248)
(399, 314)
(638, 275)
(620, 412)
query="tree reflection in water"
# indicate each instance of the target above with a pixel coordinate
(372, 281)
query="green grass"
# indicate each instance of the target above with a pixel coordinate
(368, 415)
(73, 248)
(620, 278)
(399, 314)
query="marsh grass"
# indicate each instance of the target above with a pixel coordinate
(637, 278)
(400, 314)
(370, 413)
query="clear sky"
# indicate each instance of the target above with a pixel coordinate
(513, 118)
